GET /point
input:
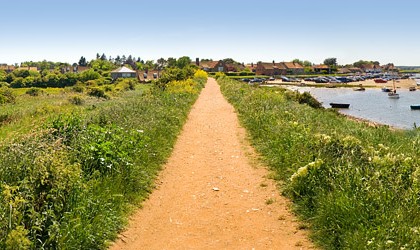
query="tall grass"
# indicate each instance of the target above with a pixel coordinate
(358, 186)
(70, 183)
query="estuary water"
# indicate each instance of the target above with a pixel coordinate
(372, 104)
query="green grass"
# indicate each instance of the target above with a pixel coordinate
(70, 180)
(358, 187)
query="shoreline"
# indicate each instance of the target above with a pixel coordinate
(399, 84)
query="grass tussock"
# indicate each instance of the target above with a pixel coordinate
(357, 186)
(69, 183)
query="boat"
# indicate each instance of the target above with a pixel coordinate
(417, 81)
(416, 107)
(340, 105)
(393, 94)
(412, 88)
(385, 89)
(360, 88)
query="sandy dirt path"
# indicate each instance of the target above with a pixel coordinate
(212, 194)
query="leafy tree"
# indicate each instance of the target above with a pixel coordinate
(98, 56)
(118, 60)
(3, 75)
(103, 57)
(183, 62)
(161, 63)
(307, 63)
(171, 62)
(330, 61)
(82, 61)
(298, 61)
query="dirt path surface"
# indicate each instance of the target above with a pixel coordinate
(212, 194)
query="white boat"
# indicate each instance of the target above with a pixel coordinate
(393, 94)
(417, 81)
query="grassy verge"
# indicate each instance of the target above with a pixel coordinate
(69, 183)
(357, 186)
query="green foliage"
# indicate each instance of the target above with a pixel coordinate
(34, 92)
(7, 96)
(174, 74)
(303, 98)
(98, 92)
(89, 75)
(69, 184)
(77, 100)
(219, 75)
(358, 186)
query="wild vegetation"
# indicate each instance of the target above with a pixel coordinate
(74, 160)
(356, 186)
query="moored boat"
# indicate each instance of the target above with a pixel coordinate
(416, 106)
(340, 105)
(412, 88)
(393, 94)
(385, 89)
(360, 88)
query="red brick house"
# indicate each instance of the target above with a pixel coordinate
(294, 68)
(320, 68)
(270, 69)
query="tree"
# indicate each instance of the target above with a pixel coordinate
(98, 56)
(330, 61)
(298, 61)
(183, 62)
(103, 57)
(307, 63)
(118, 60)
(171, 62)
(82, 61)
(161, 63)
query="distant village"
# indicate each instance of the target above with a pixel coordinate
(152, 70)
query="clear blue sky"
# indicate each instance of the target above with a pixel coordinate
(245, 30)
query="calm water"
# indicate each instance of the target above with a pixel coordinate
(372, 104)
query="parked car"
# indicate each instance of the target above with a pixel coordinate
(284, 79)
(271, 79)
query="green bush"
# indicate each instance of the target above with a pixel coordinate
(7, 96)
(357, 186)
(98, 92)
(77, 100)
(35, 92)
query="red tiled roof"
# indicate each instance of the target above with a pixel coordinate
(292, 65)
(272, 65)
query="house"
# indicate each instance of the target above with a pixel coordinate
(252, 67)
(321, 68)
(7, 68)
(28, 68)
(270, 69)
(213, 66)
(123, 72)
(145, 76)
(294, 68)
(73, 69)
(372, 68)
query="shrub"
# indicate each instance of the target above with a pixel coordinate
(7, 96)
(77, 100)
(78, 89)
(34, 91)
(219, 75)
(98, 92)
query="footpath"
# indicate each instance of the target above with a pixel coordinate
(212, 194)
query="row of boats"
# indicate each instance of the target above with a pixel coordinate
(392, 93)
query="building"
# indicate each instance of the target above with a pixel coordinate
(294, 68)
(213, 66)
(123, 72)
(270, 69)
(7, 68)
(321, 68)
